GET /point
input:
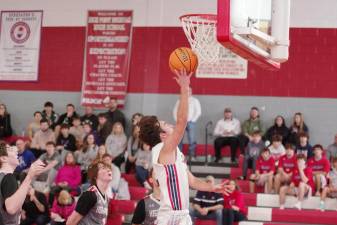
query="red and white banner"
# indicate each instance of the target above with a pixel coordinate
(20, 45)
(229, 65)
(108, 45)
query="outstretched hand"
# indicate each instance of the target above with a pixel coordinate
(182, 78)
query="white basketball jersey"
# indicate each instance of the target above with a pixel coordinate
(173, 181)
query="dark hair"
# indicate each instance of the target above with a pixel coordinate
(48, 104)
(44, 120)
(106, 155)
(317, 146)
(150, 130)
(301, 156)
(256, 132)
(265, 150)
(113, 98)
(93, 170)
(37, 112)
(102, 115)
(51, 143)
(65, 159)
(254, 108)
(86, 144)
(303, 134)
(70, 105)
(76, 117)
(64, 126)
(290, 146)
(276, 138)
(283, 121)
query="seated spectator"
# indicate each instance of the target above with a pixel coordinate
(207, 205)
(147, 209)
(90, 117)
(25, 157)
(34, 126)
(35, 209)
(101, 151)
(279, 128)
(77, 130)
(104, 127)
(320, 166)
(331, 151)
(226, 132)
(235, 209)
(287, 164)
(65, 141)
(296, 128)
(331, 189)
(264, 174)
(66, 118)
(41, 137)
(49, 114)
(116, 144)
(87, 129)
(68, 178)
(62, 208)
(114, 115)
(136, 119)
(143, 165)
(302, 184)
(304, 147)
(134, 145)
(249, 126)
(5, 122)
(276, 148)
(252, 152)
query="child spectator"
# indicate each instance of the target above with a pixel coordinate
(304, 147)
(302, 184)
(101, 151)
(264, 174)
(287, 164)
(34, 126)
(296, 128)
(65, 140)
(320, 166)
(49, 114)
(116, 144)
(279, 128)
(77, 130)
(133, 147)
(235, 209)
(276, 148)
(143, 165)
(5, 122)
(104, 127)
(25, 157)
(41, 137)
(252, 152)
(90, 117)
(62, 208)
(331, 190)
(87, 129)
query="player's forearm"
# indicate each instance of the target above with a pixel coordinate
(182, 112)
(200, 185)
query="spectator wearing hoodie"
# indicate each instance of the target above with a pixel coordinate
(279, 128)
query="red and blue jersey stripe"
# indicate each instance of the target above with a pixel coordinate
(173, 186)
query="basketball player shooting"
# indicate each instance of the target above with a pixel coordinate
(169, 166)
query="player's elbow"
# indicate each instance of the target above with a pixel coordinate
(11, 208)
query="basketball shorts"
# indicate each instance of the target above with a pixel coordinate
(168, 217)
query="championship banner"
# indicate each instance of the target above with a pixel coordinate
(20, 36)
(107, 56)
(229, 65)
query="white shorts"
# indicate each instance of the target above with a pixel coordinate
(169, 217)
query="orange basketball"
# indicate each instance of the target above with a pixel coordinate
(182, 58)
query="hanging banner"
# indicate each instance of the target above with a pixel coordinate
(229, 65)
(20, 36)
(107, 56)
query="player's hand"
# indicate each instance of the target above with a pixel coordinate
(36, 169)
(222, 188)
(182, 78)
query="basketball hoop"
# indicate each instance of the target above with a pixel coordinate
(200, 30)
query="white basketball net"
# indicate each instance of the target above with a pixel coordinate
(200, 31)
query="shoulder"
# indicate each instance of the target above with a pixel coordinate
(88, 196)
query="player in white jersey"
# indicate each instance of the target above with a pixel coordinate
(169, 166)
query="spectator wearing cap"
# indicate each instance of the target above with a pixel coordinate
(303, 147)
(249, 126)
(279, 128)
(226, 132)
(114, 114)
(90, 117)
(49, 114)
(331, 151)
(104, 127)
(207, 205)
(41, 137)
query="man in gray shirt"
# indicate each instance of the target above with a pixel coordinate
(331, 151)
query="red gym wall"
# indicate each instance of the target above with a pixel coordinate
(310, 72)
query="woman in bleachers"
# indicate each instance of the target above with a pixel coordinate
(296, 128)
(132, 148)
(34, 126)
(235, 209)
(5, 122)
(116, 144)
(143, 165)
(101, 152)
(87, 129)
(62, 208)
(279, 128)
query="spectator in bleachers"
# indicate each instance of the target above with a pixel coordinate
(136, 118)
(296, 128)
(147, 209)
(104, 127)
(279, 128)
(114, 114)
(264, 173)
(304, 147)
(41, 137)
(77, 131)
(331, 151)
(320, 166)
(302, 184)
(194, 113)
(331, 189)
(235, 209)
(87, 128)
(34, 126)
(101, 151)
(86, 155)
(143, 165)
(25, 157)
(287, 164)
(49, 114)
(90, 117)
(207, 205)
(65, 141)
(63, 206)
(252, 153)
(249, 126)
(226, 132)
(68, 178)
(5, 122)
(35, 209)
(66, 118)
(276, 148)
(133, 147)
(116, 144)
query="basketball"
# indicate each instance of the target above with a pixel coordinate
(183, 58)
